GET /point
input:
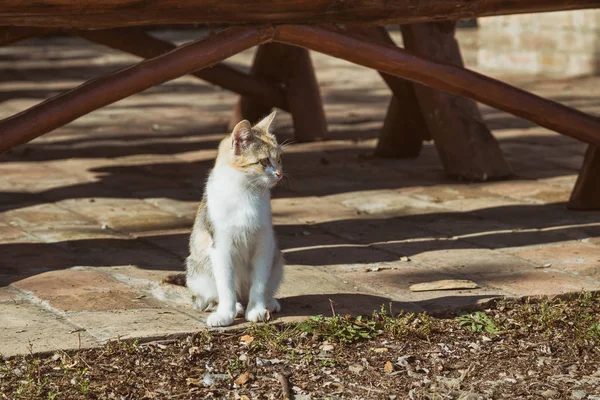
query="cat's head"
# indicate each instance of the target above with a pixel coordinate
(254, 151)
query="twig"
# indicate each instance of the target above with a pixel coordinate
(331, 305)
(285, 386)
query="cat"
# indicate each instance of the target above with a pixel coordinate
(234, 258)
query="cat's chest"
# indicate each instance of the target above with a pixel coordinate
(239, 212)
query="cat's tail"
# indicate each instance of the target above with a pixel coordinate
(175, 279)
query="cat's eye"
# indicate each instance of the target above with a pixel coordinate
(264, 162)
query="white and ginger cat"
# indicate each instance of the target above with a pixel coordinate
(234, 259)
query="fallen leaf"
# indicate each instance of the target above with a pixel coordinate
(242, 379)
(381, 350)
(388, 367)
(244, 397)
(247, 339)
(445, 284)
(544, 266)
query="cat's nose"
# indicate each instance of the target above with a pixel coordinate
(279, 174)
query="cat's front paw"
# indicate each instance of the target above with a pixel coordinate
(257, 314)
(220, 319)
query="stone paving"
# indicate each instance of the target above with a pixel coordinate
(94, 215)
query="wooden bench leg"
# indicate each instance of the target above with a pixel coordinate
(290, 67)
(404, 128)
(465, 145)
(586, 193)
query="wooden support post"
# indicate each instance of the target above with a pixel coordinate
(449, 78)
(291, 68)
(404, 127)
(586, 193)
(136, 41)
(466, 147)
(97, 93)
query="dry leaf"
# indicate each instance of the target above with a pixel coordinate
(242, 379)
(381, 350)
(244, 397)
(193, 381)
(247, 339)
(445, 284)
(544, 266)
(388, 367)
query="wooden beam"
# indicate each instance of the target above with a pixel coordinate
(97, 93)
(94, 14)
(137, 42)
(449, 78)
(586, 193)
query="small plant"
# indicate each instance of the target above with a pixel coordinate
(477, 322)
(594, 331)
(235, 365)
(343, 329)
(405, 324)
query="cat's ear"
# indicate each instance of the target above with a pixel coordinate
(265, 123)
(241, 136)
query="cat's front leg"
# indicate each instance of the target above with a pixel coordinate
(223, 271)
(261, 271)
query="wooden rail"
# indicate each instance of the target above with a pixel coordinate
(95, 14)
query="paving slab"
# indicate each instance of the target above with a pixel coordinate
(95, 215)
(26, 327)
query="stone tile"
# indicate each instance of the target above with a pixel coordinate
(471, 262)
(36, 177)
(533, 190)
(395, 278)
(126, 215)
(490, 233)
(307, 290)
(10, 234)
(125, 324)
(121, 251)
(389, 203)
(536, 282)
(308, 210)
(23, 259)
(7, 294)
(175, 241)
(24, 326)
(316, 248)
(575, 257)
(33, 217)
(74, 291)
